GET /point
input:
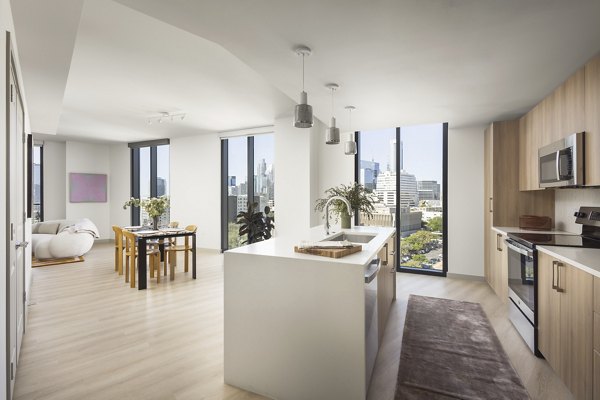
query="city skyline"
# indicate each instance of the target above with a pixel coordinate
(375, 145)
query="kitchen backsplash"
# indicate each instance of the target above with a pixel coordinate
(567, 201)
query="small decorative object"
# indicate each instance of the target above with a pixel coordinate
(154, 206)
(255, 224)
(87, 188)
(535, 222)
(357, 195)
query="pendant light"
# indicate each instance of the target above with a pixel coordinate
(303, 115)
(350, 145)
(332, 134)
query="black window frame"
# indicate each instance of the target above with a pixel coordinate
(397, 259)
(225, 183)
(31, 144)
(135, 171)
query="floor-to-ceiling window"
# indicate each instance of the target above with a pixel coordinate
(37, 185)
(149, 176)
(406, 170)
(246, 167)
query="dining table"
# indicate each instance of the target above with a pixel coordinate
(160, 235)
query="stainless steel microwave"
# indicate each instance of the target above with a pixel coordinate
(562, 163)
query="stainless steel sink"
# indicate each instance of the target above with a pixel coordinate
(352, 237)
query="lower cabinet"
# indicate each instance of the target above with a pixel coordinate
(497, 265)
(565, 323)
(386, 283)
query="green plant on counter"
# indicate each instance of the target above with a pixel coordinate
(359, 197)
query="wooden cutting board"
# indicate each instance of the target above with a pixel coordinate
(331, 253)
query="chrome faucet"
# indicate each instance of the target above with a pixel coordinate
(348, 207)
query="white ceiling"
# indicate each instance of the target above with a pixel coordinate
(400, 62)
(127, 66)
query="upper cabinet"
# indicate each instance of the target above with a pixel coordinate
(592, 122)
(572, 107)
(531, 129)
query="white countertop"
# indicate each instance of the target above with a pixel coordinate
(587, 260)
(284, 246)
(505, 230)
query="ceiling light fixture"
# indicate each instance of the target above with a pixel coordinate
(165, 116)
(350, 145)
(332, 134)
(303, 115)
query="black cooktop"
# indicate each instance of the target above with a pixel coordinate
(555, 239)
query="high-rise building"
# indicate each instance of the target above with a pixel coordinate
(428, 190)
(161, 186)
(409, 196)
(369, 170)
(386, 189)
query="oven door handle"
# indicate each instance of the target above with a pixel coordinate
(518, 249)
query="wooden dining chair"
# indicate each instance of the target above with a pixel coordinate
(118, 249)
(131, 255)
(186, 247)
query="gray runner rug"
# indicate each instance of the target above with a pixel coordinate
(450, 351)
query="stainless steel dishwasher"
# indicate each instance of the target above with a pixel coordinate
(371, 322)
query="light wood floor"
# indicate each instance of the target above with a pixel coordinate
(90, 336)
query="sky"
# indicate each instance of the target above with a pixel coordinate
(264, 147)
(422, 149)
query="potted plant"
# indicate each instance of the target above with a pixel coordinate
(359, 197)
(256, 225)
(154, 206)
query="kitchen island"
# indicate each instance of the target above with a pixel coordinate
(300, 326)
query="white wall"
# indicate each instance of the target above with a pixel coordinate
(297, 177)
(335, 167)
(195, 187)
(465, 207)
(119, 188)
(567, 201)
(54, 170)
(89, 158)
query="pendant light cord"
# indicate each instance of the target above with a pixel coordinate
(350, 119)
(303, 72)
(332, 90)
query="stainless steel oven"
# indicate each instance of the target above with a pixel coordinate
(562, 162)
(522, 289)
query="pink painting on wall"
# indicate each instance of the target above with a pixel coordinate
(87, 188)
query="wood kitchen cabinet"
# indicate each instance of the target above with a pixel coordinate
(531, 128)
(386, 283)
(592, 122)
(503, 202)
(565, 323)
(560, 114)
(497, 276)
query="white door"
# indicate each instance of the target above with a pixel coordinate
(16, 203)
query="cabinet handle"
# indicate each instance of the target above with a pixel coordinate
(498, 238)
(491, 205)
(554, 285)
(385, 246)
(558, 288)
